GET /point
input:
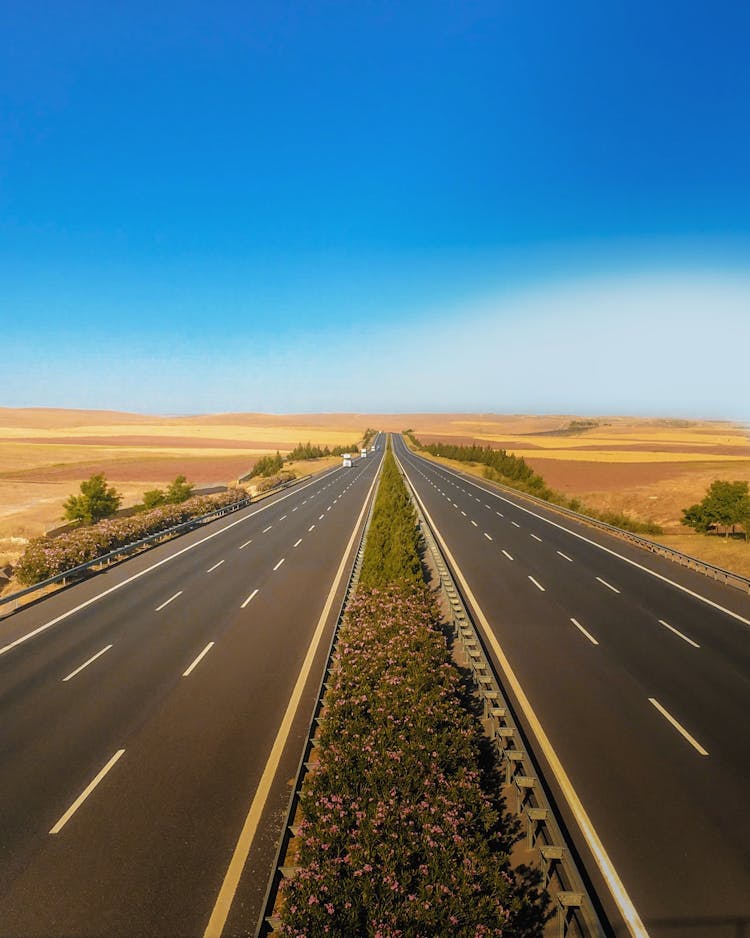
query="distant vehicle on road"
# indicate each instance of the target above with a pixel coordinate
(363, 453)
(347, 461)
(372, 448)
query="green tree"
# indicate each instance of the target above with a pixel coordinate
(267, 465)
(153, 498)
(179, 491)
(96, 501)
(725, 505)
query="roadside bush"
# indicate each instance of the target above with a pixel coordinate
(46, 557)
(286, 475)
(96, 501)
(267, 466)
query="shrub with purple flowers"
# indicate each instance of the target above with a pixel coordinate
(48, 556)
(403, 834)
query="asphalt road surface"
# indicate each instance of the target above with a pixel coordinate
(638, 670)
(140, 709)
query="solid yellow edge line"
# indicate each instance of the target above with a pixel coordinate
(249, 828)
(619, 894)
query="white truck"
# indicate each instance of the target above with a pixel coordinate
(347, 461)
(363, 454)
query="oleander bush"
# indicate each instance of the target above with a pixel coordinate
(402, 832)
(279, 478)
(48, 556)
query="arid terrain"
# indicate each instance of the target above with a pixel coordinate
(648, 468)
(45, 454)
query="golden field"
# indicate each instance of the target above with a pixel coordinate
(45, 454)
(649, 469)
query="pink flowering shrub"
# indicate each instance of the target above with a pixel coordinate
(48, 556)
(403, 833)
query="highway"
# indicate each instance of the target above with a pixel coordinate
(638, 670)
(142, 711)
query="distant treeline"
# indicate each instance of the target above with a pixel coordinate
(515, 472)
(270, 465)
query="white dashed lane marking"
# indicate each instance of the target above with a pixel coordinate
(171, 599)
(678, 726)
(679, 633)
(86, 664)
(205, 651)
(249, 598)
(608, 585)
(581, 629)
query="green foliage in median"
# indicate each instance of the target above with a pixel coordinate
(402, 831)
(393, 541)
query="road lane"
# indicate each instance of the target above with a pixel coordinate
(166, 814)
(680, 846)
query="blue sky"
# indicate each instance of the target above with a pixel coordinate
(317, 206)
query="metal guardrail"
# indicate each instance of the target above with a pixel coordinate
(152, 539)
(269, 922)
(575, 910)
(686, 560)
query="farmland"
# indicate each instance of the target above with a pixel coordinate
(647, 468)
(46, 453)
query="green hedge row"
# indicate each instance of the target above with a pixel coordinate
(393, 541)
